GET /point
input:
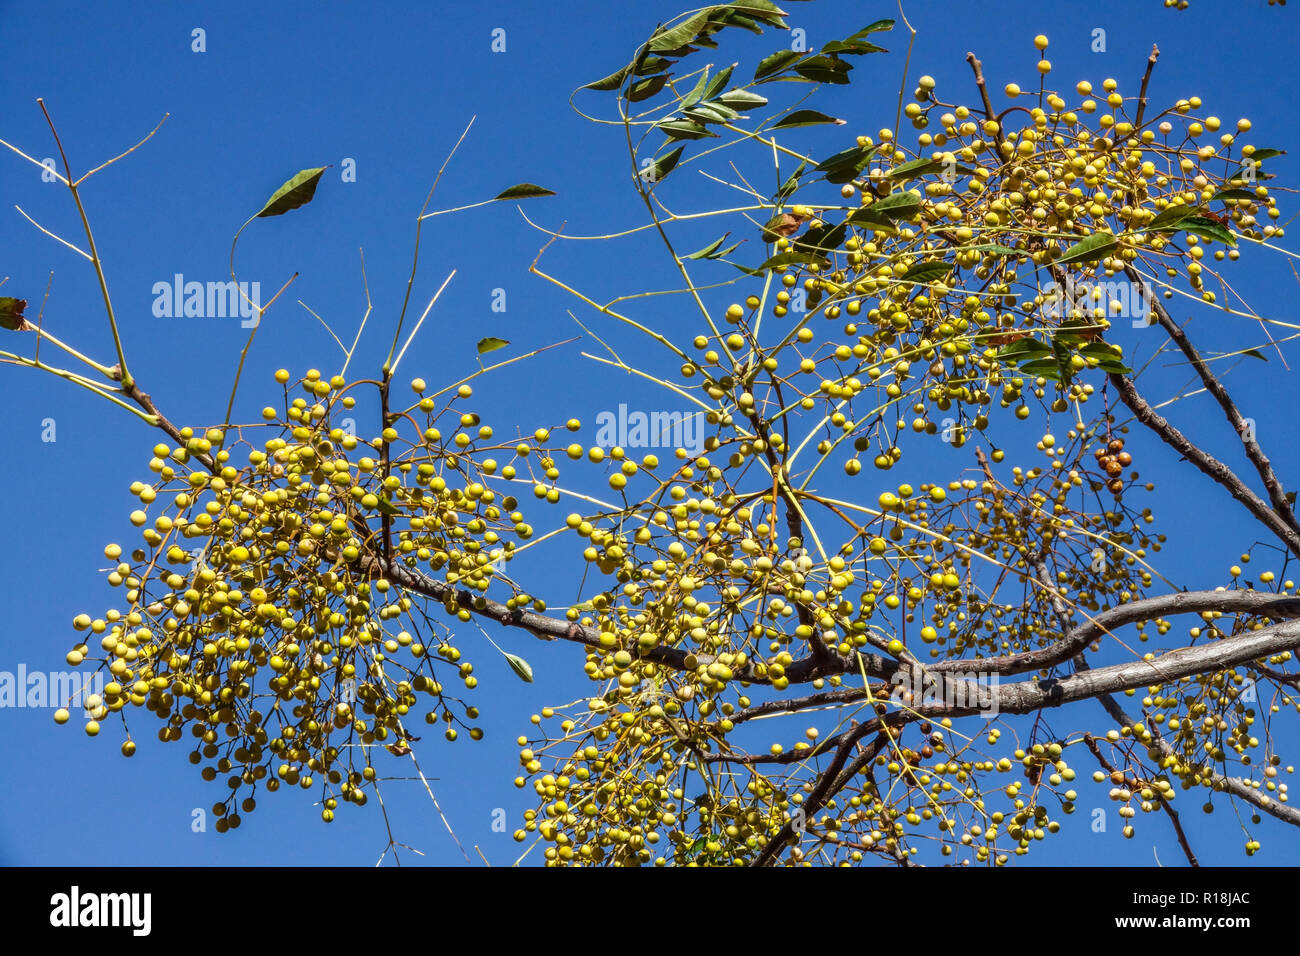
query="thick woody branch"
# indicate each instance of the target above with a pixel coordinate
(1207, 463)
(541, 625)
(1146, 609)
(1212, 385)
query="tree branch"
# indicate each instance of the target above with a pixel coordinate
(1212, 385)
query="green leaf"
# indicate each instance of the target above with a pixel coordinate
(611, 82)
(1262, 154)
(1101, 350)
(11, 314)
(524, 191)
(1168, 216)
(846, 165)
(914, 168)
(1255, 353)
(708, 251)
(666, 163)
(742, 99)
(824, 239)
(790, 185)
(805, 118)
(871, 220)
(734, 19)
(682, 128)
(386, 506)
(994, 249)
(491, 344)
(852, 47)
(1047, 368)
(711, 113)
(900, 205)
(758, 7)
(880, 26)
(824, 69)
(1110, 365)
(1023, 348)
(296, 192)
(1108, 357)
(924, 273)
(775, 63)
(1205, 228)
(1233, 194)
(519, 666)
(697, 93)
(644, 89)
(717, 83)
(682, 34)
(1095, 247)
(790, 259)
(649, 65)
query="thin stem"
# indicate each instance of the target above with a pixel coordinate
(94, 252)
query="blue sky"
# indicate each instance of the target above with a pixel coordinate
(390, 87)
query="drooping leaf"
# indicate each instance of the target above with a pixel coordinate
(1095, 247)
(649, 65)
(791, 184)
(846, 165)
(1205, 228)
(1255, 353)
(665, 164)
(297, 191)
(708, 251)
(524, 191)
(386, 506)
(11, 314)
(805, 118)
(520, 667)
(491, 344)
(611, 82)
(644, 89)
(822, 240)
(775, 63)
(1170, 215)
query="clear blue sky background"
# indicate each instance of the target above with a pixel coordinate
(391, 86)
